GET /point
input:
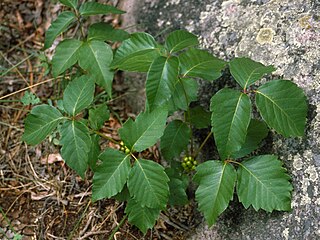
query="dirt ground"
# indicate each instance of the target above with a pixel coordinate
(40, 197)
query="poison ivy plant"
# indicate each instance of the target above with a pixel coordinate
(237, 120)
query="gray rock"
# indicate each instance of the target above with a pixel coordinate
(285, 34)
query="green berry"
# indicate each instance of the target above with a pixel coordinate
(193, 167)
(184, 165)
(195, 163)
(189, 164)
(127, 150)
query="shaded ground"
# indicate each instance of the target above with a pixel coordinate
(40, 197)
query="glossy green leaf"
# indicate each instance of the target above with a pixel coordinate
(177, 186)
(94, 8)
(263, 183)
(161, 79)
(94, 151)
(230, 119)
(76, 142)
(283, 105)
(199, 117)
(70, 3)
(175, 139)
(216, 181)
(110, 177)
(65, 56)
(105, 32)
(96, 57)
(257, 131)
(40, 122)
(179, 40)
(58, 26)
(148, 184)
(145, 130)
(185, 92)
(200, 63)
(142, 217)
(136, 53)
(98, 115)
(246, 71)
(78, 95)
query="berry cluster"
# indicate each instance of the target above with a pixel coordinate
(189, 164)
(124, 148)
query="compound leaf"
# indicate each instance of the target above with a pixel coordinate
(246, 71)
(200, 63)
(40, 122)
(162, 76)
(136, 53)
(58, 26)
(216, 181)
(65, 56)
(105, 32)
(230, 119)
(179, 40)
(145, 130)
(76, 142)
(78, 94)
(177, 186)
(98, 115)
(148, 184)
(70, 3)
(263, 183)
(185, 91)
(175, 139)
(282, 104)
(142, 217)
(96, 57)
(199, 117)
(94, 8)
(110, 177)
(257, 131)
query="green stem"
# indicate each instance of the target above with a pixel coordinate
(117, 227)
(106, 137)
(202, 144)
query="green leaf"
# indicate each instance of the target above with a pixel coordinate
(105, 32)
(162, 76)
(200, 63)
(283, 105)
(136, 53)
(98, 115)
(230, 119)
(175, 139)
(148, 184)
(70, 3)
(199, 117)
(94, 151)
(58, 26)
(145, 130)
(246, 71)
(216, 181)
(142, 217)
(40, 122)
(179, 40)
(65, 56)
(123, 196)
(29, 98)
(263, 183)
(76, 142)
(257, 131)
(94, 8)
(110, 177)
(96, 57)
(177, 186)
(78, 94)
(185, 92)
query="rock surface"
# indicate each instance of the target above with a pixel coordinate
(285, 34)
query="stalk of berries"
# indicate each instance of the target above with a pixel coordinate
(189, 164)
(124, 148)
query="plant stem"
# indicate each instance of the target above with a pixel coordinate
(106, 137)
(202, 144)
(117, 227)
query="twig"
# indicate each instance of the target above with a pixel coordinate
(8, 125)
(93, 233)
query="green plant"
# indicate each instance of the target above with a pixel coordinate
(171, 85)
